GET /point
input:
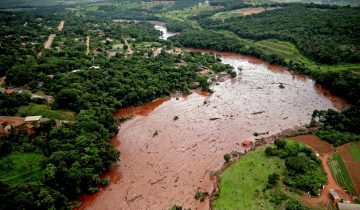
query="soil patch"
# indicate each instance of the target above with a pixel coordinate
(49, 41)
(87, 45)
(61, 25)
(250, 11)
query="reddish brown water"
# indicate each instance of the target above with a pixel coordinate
(168, 168)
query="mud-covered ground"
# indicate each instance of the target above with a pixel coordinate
(165, 161)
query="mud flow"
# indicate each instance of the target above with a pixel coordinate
(165, 160)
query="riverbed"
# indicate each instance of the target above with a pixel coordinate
(165, 161)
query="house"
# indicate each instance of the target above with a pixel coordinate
(246, 143)
(347, 206)
(334, 196)
(33, 118)
(10, 91)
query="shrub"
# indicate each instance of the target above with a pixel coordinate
(273, 178)
(199, 195)
(227, 158)
(294, 205)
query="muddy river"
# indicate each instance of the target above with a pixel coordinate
(165, 161)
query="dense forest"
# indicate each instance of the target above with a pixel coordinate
(327, 34)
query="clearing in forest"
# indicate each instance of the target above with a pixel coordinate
(87, 45)
(61, 25)
(17, 168)
(49, 41)
(129, 50)
(240, 12)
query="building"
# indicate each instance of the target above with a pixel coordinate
(33, 118)
(347, 206)
(246, 143)
(334, 196)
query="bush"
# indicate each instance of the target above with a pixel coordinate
(199, 195)
(273, 178)
(227, 158)
(105, 182)
(294, 205)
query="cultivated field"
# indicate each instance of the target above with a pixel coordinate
(340, 173)
(355, 151)
(350, 154)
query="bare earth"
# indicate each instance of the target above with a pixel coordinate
(164, 162)
(61, 25)
(129, 50)
(49, 41)
(12, 120)
(87, 45)
(250, 11)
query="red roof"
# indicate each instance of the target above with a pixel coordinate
(10, 91)
(246, 143)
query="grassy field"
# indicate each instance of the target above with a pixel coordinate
(46, 111)
(289, 52)
(238, 12)
(19, 167)
(183, 15)
(340, 173)
(242, 184)
(355, 151)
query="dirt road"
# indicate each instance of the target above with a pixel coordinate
(61, 25)
(129, 50)
(49, 41)
(87, 45)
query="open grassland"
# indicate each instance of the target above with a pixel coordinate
(46, 111)
(242, 184)
(184, 15)
(355, 151)
(19, 168)
(340, 173)
(289, 51)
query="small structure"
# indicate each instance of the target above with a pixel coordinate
(246, 143)
(33, 118)
(10, 91)
(348, 206)
(5, 129)
(334, 196)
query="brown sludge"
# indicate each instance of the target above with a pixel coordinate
(161, 170)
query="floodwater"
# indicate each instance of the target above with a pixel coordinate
(165, 161)
(160, 26)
